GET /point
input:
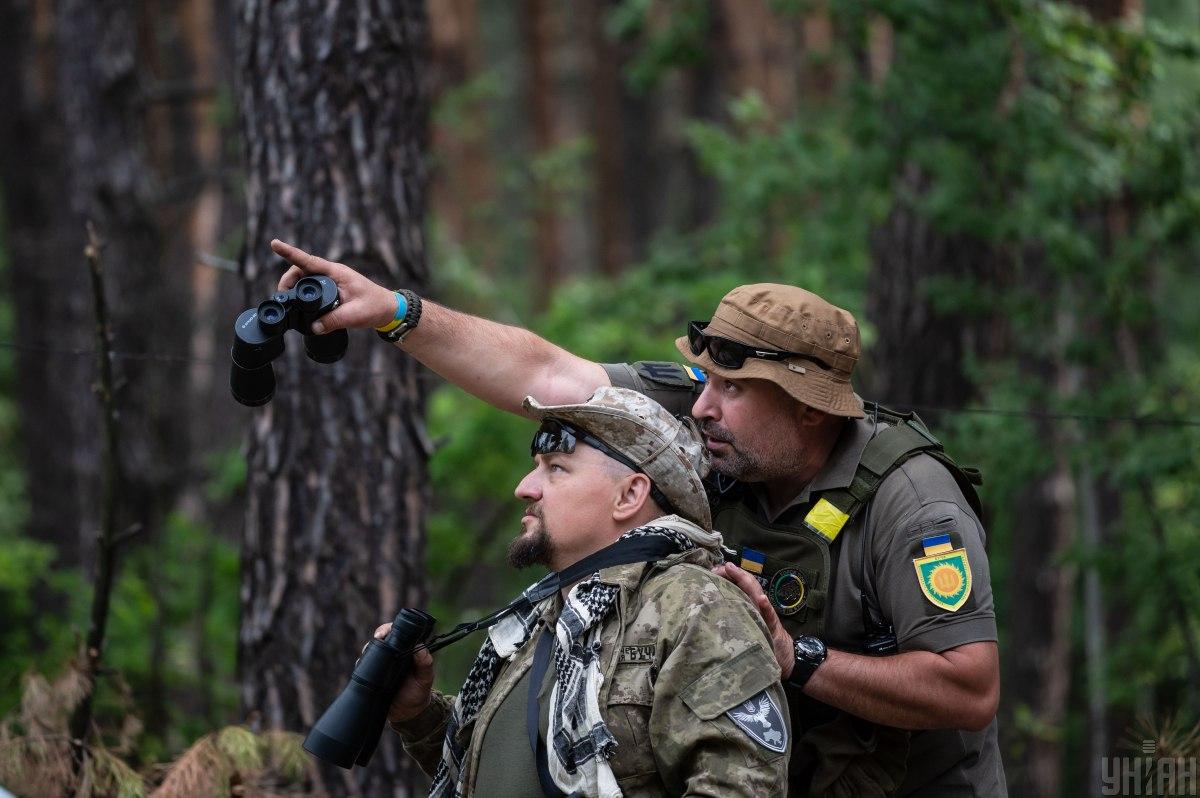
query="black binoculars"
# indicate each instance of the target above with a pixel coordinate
(349, 731)
(258, 336)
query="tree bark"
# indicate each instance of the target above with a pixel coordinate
(908, 256)
(125, 152)
(47, 280)
(334, 112)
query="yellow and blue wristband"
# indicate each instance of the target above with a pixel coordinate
(408, 315)
(401, 312)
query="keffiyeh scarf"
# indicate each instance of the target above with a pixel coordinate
(580, 742)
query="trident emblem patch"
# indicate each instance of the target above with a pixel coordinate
(945, 578)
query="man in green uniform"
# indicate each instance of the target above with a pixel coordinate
(857, 537)
(650, 678)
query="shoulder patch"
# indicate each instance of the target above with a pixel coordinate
(665, 373)
(945, 577)
(759, 717)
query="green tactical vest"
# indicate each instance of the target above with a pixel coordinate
(835, 753)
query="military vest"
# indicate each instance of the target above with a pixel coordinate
(836, 754)
(796, 574)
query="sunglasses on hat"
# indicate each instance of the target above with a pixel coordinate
(732, 354)
(559, 436)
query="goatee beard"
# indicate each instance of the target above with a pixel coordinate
(531, 548)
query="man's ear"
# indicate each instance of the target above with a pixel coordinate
(633, 492)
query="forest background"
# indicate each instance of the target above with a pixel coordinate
(1005, 193)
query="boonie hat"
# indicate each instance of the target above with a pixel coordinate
(789, 319)
(671, 452)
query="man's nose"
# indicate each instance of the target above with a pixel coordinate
(528, 488)
(705, 406)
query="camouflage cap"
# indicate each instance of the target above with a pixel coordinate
(789, 319)
(671, 452)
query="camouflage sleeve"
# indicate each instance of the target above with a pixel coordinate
(672, 385)
(718, 725)
(423, 735)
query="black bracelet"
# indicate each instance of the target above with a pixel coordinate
(412, 316)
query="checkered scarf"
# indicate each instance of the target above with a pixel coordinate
(581, 743)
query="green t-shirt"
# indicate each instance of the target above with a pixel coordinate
(506, 764)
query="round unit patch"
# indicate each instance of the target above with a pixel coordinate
(787, 591)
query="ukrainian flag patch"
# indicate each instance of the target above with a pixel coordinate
(945, 578)
(936, 544)
(753, 561)
(696, 374)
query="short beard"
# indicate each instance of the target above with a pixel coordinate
(737, 464)
(531, 548)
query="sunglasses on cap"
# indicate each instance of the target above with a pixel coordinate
(732, 354)
(559, 436)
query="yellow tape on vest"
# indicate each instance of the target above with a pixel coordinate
(826, 519)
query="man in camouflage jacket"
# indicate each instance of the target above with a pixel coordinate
(689, 689)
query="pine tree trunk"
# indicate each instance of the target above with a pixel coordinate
(908, 256)
(126, 149)
(613, 245)
(47, 277)
(464, 180)
(760, 44)
(335, 113)
(537, 32)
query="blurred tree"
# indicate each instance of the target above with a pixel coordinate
(138, 159)
(462, 181)
(609, 100)
(335, 113)
(539, 20)
(44, 238)
(106, 82)
(760, 43)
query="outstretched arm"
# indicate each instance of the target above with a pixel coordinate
(499, 363)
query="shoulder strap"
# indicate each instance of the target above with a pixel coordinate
(533, 709)
(906, 437)
(624, 551)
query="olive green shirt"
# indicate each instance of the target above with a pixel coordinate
(682, 651)
(919, 499)
(506, 761)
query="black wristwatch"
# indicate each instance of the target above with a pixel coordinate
(810, 653)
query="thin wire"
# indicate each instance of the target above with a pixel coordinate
(1046, 415)
(163, 358)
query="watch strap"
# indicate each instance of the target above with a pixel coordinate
(804, 667)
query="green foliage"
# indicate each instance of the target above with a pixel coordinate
(174, 620)
(27, 640)
(670, 34)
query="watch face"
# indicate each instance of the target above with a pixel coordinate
(810, 648)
